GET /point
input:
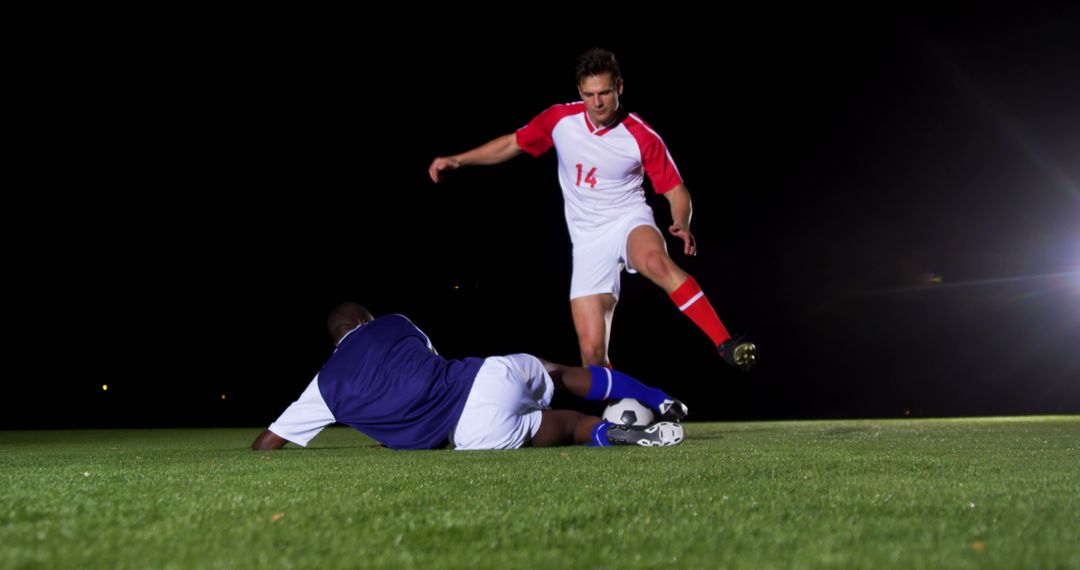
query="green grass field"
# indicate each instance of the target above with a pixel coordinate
(971, 493)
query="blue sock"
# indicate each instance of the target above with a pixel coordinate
(599, 435)
(608, 384)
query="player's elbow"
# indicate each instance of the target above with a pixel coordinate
(510, 146)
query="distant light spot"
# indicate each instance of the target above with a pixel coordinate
(104, 387)
(223, 396)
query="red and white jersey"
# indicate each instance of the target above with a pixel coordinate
(601, 170)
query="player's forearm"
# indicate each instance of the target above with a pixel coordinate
(493, 152)
(267, 441)
(681, 206)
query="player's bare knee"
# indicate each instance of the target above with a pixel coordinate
(657, 265)
(593, 354)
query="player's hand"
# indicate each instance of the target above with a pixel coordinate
(439, 165)
(689, 245)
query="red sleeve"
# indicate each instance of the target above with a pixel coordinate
(535, 137)
(659, 166)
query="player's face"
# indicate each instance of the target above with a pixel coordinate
(601, 97)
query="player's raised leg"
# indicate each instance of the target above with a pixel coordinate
(647, 253)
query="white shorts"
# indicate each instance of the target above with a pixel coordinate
(503, 408)
(599, 260)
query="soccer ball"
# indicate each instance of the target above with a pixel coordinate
(628, 412)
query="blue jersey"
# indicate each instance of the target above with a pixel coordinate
(386, 381)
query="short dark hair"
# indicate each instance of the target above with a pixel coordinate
(597, 61)
(345, 317)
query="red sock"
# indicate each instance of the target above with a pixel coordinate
(692, 302)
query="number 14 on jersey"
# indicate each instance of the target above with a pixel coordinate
(589, 178)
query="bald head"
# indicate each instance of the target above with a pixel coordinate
(346, 317)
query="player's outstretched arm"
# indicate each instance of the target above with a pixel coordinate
(268, 440)
(492, 152)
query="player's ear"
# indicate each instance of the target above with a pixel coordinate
(619, 86)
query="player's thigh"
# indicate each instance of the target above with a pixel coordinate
(642, 243)
(639, 234)
(592, 315)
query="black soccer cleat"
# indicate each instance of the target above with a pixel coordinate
(672, 410)
(740, 353)
(655, 435)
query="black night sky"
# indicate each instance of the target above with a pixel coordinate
(889, 205)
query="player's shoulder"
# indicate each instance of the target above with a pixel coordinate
(402, 322)
(401, 326)
(633, 120)
(387, 322)
(546, 122)
(560, 110)
(393, 319)
(641, 130)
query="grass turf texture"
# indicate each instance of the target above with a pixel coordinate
(971, 493)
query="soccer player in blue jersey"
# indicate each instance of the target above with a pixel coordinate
(386, 380)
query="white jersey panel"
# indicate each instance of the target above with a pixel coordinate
(601, 175)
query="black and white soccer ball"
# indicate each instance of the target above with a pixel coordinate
(629, 412)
